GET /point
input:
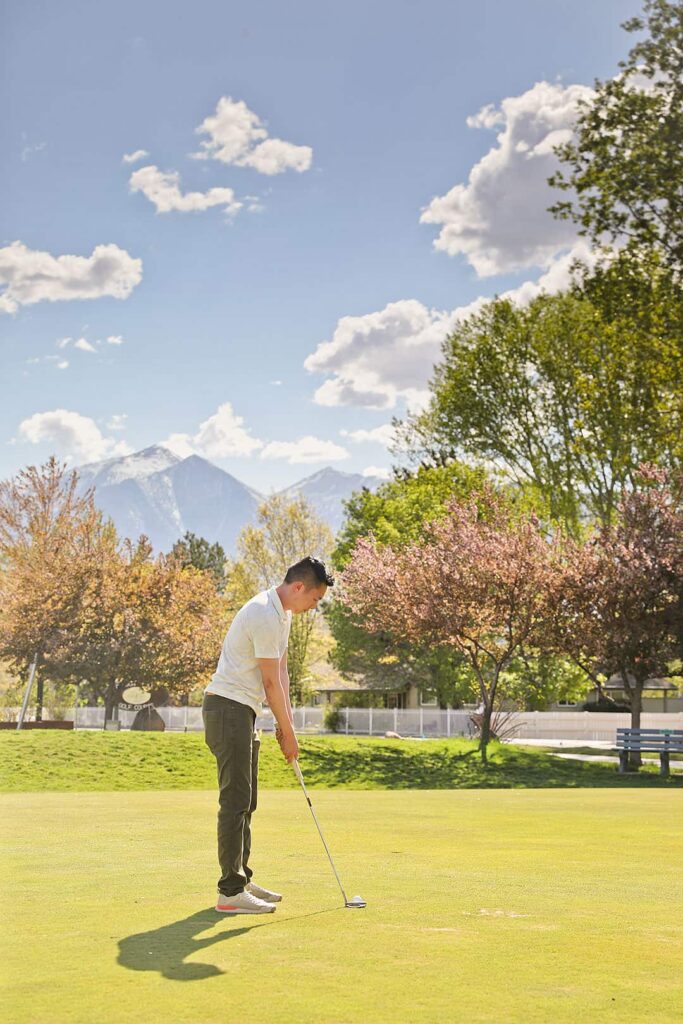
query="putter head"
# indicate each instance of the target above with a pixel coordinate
(357, 901)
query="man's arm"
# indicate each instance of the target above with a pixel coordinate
(284, 680)
(278, 702)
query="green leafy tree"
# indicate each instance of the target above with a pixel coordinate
(198, 552)
(624, 167)
(565, 397)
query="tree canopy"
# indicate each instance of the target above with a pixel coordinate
(565, 396)
(623, 170)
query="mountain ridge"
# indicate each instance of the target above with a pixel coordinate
(158, 493)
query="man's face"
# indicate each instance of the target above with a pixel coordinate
(305, 600)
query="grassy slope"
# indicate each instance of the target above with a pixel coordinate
(45, 761)
(522, 907)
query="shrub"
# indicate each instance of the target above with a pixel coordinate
(333, 719)
(606, 705)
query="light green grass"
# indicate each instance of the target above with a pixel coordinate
(86, 761)
(529, 906)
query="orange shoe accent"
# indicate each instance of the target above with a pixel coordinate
(226, 906)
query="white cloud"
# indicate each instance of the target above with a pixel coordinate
(499, 219)
(383, 358)
(306, 449)
(222, 436)
(30, 276)
(28, 151)
(71, 435)
(63, 342)
(163, 189)
(117, 421)
(236, 135)
(275, 156)
(380, 471)
(180, 444)
(115, 339)
(60, 363)
(132, 158)
(377, 359)
(557, 277)
(383, 435)
(84, 345)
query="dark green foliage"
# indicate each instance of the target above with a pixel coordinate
(396, 513)
(198, 552)
(333, 718)
(567, 395)
(624, 164)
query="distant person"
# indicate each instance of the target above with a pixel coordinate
(253, 668)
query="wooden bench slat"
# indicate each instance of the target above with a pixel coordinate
(651, 736)
(664, 735)
(653, 739)
(646, 742)
(650, 739)
(658, 739)
(659, 732)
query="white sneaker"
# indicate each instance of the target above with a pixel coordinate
(243, 903)
(263, 894)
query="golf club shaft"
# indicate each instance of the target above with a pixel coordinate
(300, 777)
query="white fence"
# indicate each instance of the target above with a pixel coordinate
(586, 725)
(423, 722)
(354, 721)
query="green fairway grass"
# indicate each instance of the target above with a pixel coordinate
(534, 906)
(59, 761)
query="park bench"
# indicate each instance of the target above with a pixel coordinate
(662, 741)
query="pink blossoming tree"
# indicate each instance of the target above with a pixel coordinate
(621, 609)
(481, 581)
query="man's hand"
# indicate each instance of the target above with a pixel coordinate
(288, 744)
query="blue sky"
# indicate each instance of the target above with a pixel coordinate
(273, 325)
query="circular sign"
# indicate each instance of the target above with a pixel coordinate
(136, 696)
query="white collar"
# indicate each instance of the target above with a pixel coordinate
(275, 598)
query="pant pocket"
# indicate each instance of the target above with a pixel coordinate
(214, 731)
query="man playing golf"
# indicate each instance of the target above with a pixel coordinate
(253, 668)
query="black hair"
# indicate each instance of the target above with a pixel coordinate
(309, 571)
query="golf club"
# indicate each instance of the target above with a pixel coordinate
(357, 901)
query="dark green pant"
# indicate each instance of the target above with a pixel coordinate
(230, 736)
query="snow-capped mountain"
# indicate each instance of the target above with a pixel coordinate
(128, 467)
(327, 489)
(162, 495)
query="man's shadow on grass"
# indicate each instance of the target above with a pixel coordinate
(165, 949)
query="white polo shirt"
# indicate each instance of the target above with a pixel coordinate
(259, 630)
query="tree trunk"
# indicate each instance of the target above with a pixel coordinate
(39, 699)
(111, 700)
(635, 759)
(485, 731)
